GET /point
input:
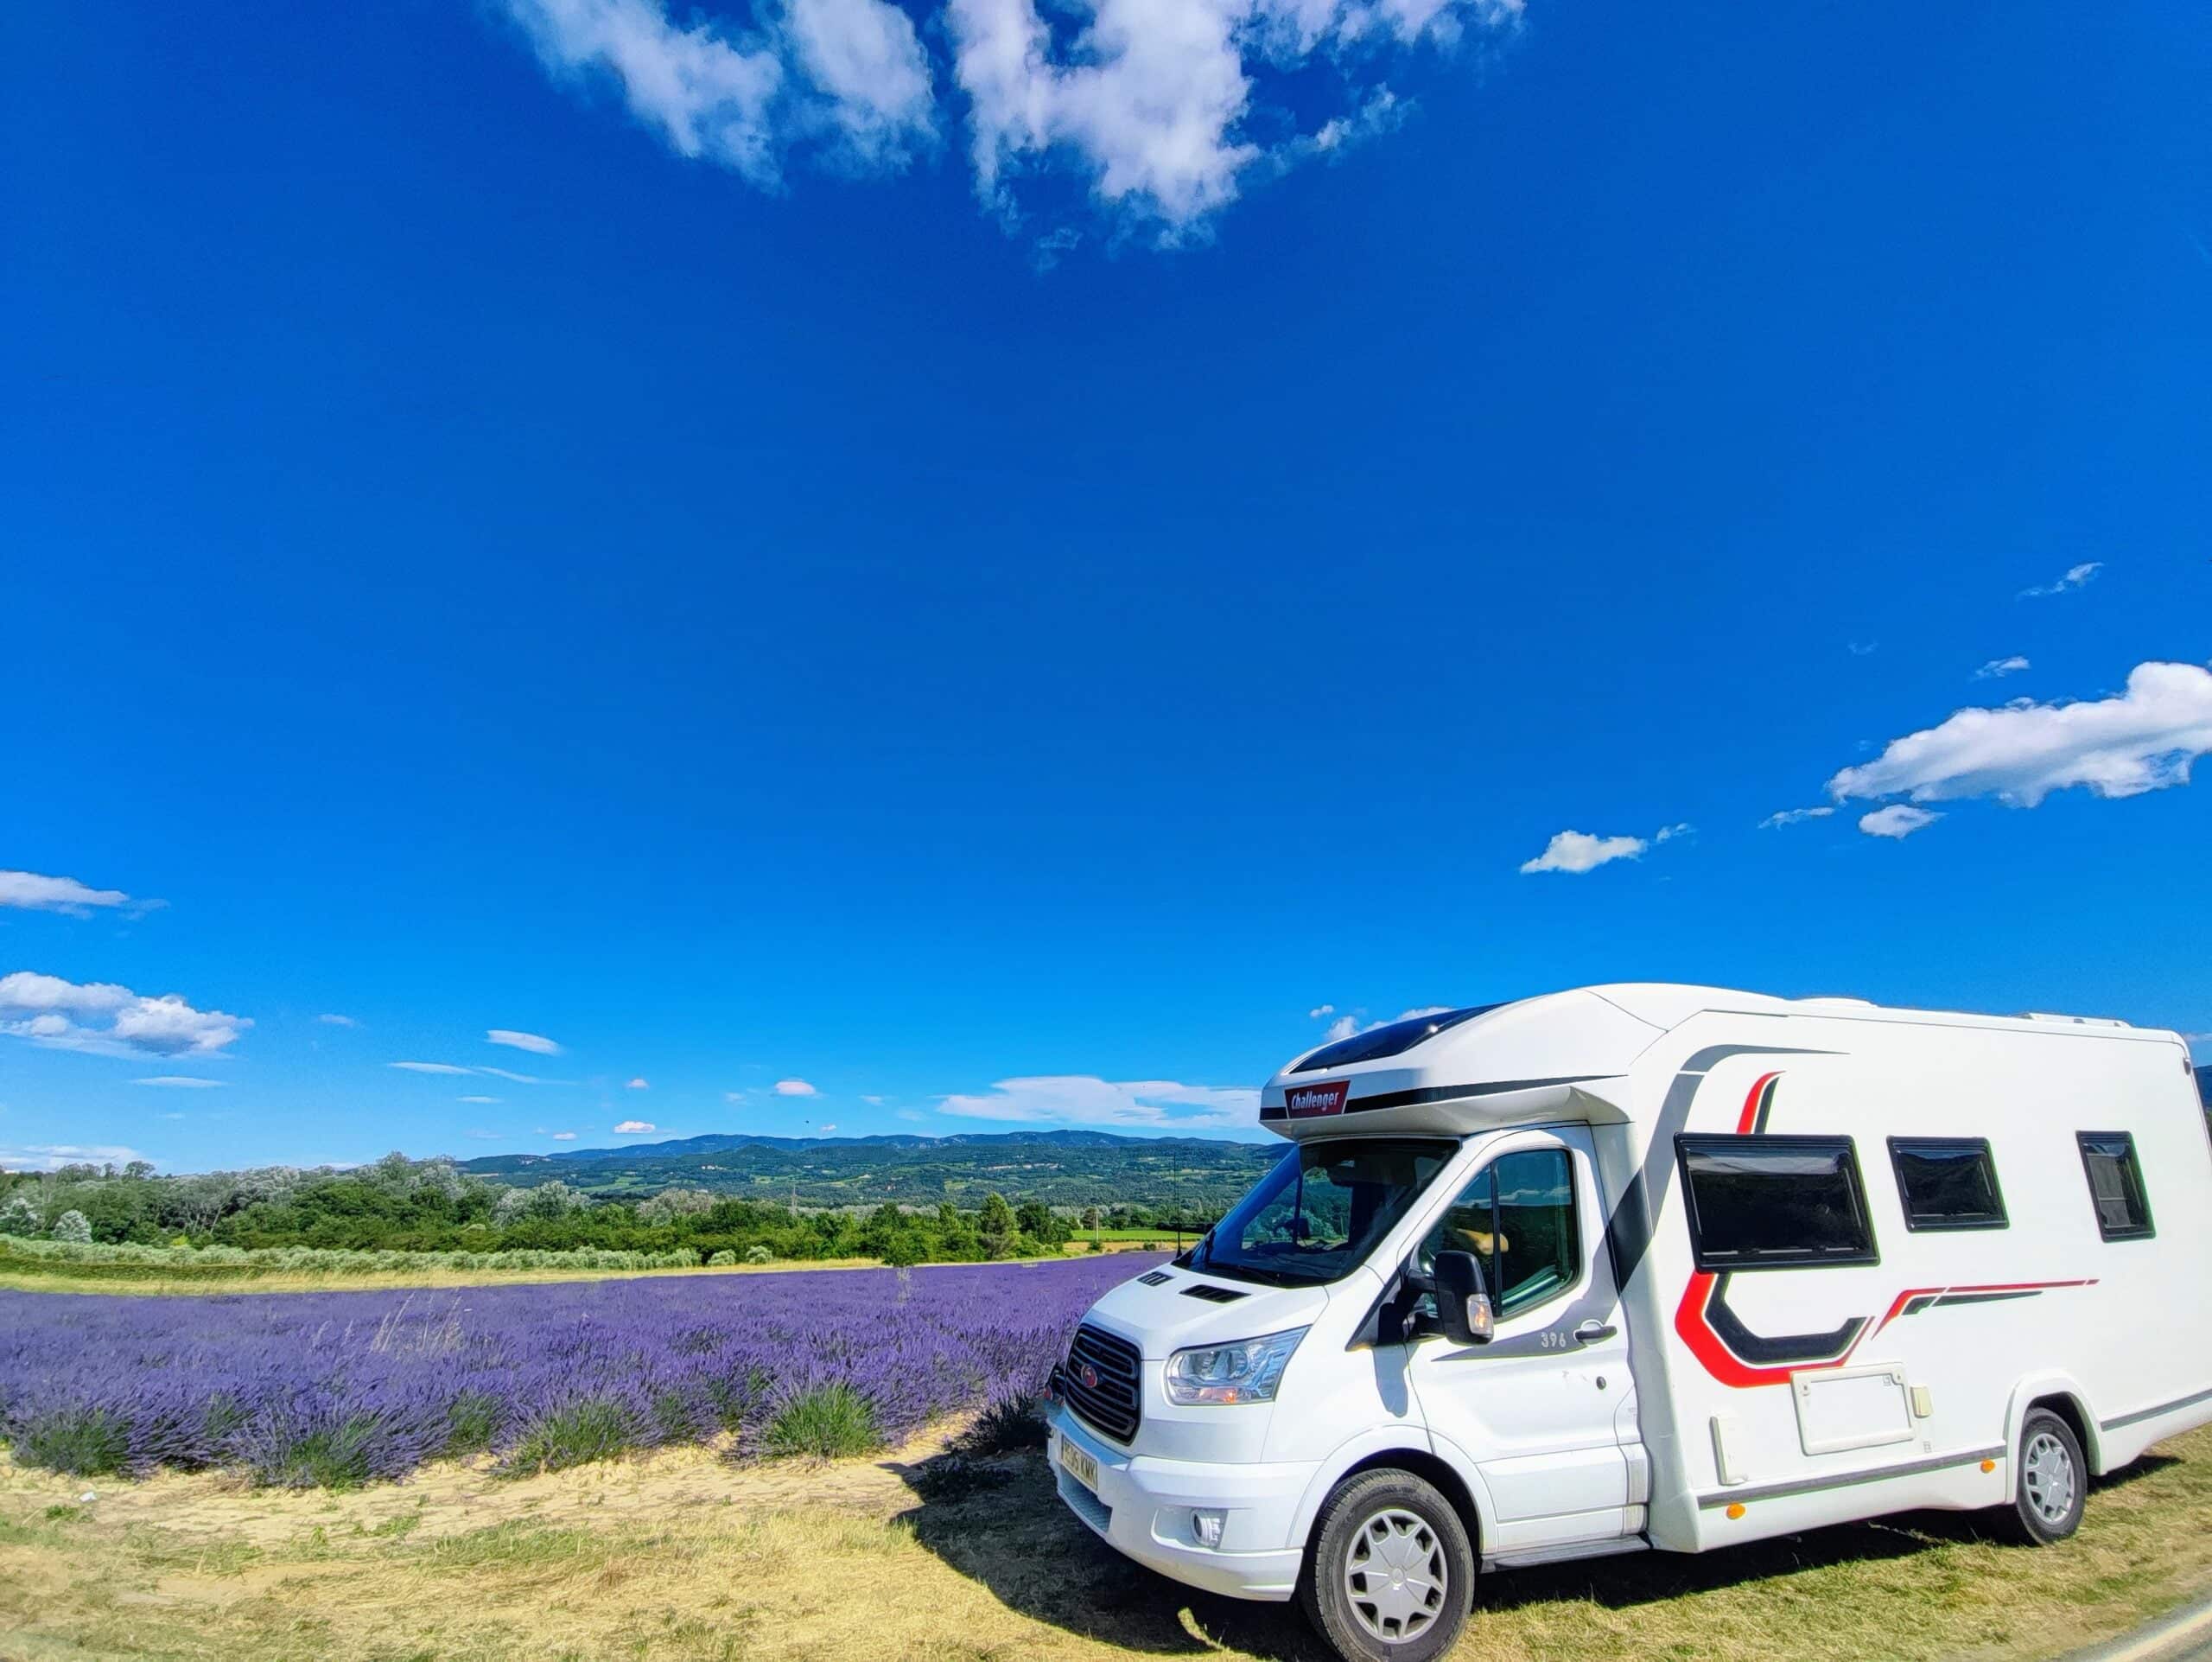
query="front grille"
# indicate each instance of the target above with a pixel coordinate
(1110, 1405)
(1085, 1505)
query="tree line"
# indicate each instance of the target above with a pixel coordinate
(428, 1205)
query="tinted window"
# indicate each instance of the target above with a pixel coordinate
(1319, 1214)
(1774, 1202)
(1392, 1041)
(2115, 1184)
(1947, 1182)
(1517, 1217)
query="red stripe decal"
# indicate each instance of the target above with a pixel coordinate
(1704, 1344)
(1749, 1118)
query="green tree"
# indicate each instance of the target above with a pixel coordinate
(995, 1222)
(73, 1225)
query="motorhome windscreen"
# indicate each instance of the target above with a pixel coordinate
(1318, 1214)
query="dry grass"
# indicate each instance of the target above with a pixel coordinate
(278, 1281)
(931, 1556)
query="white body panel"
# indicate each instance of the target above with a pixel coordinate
(1791, 1398)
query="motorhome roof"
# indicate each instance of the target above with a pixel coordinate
(1498, 1062)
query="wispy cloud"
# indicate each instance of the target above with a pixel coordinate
(1086, 1099)
(102, 1017)
(2077, 576)
(1897, 821)
(1998, 668)
(431, 1067)
(52, 1156)
(30, 892)
(180, 1082)
(476, 1099)
(638, 1084)
(634, 1127)
(795, 1088)
(537, 1043)
(331, 1018)
(2143, 739)
(1579, 851)
(1158, 109)
(1863, 648)
(1793, 816)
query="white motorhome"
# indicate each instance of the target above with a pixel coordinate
(1649, 1266)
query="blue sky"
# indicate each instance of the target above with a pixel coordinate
(891, 552)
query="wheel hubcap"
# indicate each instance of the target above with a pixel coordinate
(1395, 1576)
(2046, 1478)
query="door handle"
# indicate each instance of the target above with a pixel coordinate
(1591, 1332)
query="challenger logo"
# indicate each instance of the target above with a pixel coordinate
(1089, 1375)
(1310, 1101)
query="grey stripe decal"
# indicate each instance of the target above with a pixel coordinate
(1812, 1485)
(2142, 1414)
(1628, 1232)
(1441, 1093)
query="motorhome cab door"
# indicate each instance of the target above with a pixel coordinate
(1543, 1410)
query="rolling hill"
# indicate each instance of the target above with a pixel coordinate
(1062, 1167)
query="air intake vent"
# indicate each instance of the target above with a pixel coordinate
(1100, 1379)
(1212, 1295)
(1157, 1278)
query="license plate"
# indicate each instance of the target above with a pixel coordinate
(1079, 1465)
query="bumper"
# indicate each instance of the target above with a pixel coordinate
(1143, 1507)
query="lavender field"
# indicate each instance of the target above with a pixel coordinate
(337, 1388)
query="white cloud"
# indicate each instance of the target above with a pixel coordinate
(825, 1131)
(1321, 1011)
(866, 56)
(516, 1079)
(1575, 850)
(2076, 577)
(1160, 105)
(1085, 1099)
(430, 1067)
(54, 1012)
(1667, 833)
(1998, 668)
(1897, 821)
(2143, 739)
(1793, 816)
(51, 1156)
(733, 1096)
(909, 1113)
(180, 1082)
(332, 1019)
(564, 1136)
(1343, 1027)
(873, 1102)
(633, 1127)
(849, 76)
(638, 1084)
(33, 893)
(476, 1099)
(795, 1088)
(1425, 1009)
(537, 1043)
(1863, 648)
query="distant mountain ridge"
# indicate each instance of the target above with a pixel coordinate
(1069, 1167)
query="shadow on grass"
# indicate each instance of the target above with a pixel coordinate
(998, 1521)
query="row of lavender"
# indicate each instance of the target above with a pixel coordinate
(337, 1387)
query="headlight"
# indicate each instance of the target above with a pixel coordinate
(1246, 1372)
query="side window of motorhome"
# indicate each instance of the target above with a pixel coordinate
(2115, 1185)
(1948, 1182)
(1760, 1202)
(1517, 1217)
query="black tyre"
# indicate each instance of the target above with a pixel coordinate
(2050, 1479)
(1392, 1574)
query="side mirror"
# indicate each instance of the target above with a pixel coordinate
(1463, 1308)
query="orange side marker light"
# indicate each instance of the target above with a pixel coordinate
(1988, 1465)
(1735, 1509)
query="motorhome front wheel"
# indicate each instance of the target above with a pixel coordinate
(1391, 1573)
